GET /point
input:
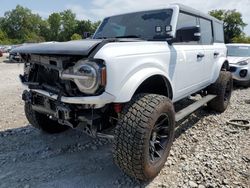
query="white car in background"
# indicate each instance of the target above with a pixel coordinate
(239, 60)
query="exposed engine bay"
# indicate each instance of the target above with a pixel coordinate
(66, 76)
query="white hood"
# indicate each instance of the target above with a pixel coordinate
(235, 60)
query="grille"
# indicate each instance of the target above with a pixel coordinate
(233, 69)
(48, 76)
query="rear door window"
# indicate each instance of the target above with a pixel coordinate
(206, 31)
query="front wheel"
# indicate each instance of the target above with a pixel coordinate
(144, 135)
(223, 88)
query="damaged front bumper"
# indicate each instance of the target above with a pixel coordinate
(88, 120)
(84, 113)
(91, 101)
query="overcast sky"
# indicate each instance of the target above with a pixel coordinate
(97, 9)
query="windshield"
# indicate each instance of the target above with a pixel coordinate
(145, 25)
(239, 51)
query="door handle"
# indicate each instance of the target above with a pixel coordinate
(216, 53)
(200, 55)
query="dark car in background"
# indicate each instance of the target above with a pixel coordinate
(5, 48)
(14, 57)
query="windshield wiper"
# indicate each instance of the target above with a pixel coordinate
(101, 38)
(129, 36)
(119, 37)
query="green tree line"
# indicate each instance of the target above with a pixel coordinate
(21, 25)
(233, 25)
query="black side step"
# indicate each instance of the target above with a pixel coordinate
(193, 107)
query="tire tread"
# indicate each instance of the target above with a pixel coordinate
(131, 131)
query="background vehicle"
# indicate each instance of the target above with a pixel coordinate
(1, 52)
(239, 61)
(6, 49)
(13, 56)
(128, 77)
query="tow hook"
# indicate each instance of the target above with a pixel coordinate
(90, 124)
(63, 113)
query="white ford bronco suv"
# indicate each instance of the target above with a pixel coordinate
(127, 78)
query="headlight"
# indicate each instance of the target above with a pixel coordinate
(88, 76)
(242, 63)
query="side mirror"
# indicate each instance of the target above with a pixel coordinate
(187, 34)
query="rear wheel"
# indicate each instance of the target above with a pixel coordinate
(144, 135)
(41, 121)
(223, 89)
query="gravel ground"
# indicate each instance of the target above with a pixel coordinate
(206, 152)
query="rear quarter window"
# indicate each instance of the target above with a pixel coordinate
(218, 32)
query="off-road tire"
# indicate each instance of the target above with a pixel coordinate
(223, 88)
(133, 132)
(42, 122)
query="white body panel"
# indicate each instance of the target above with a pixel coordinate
(130, 63)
